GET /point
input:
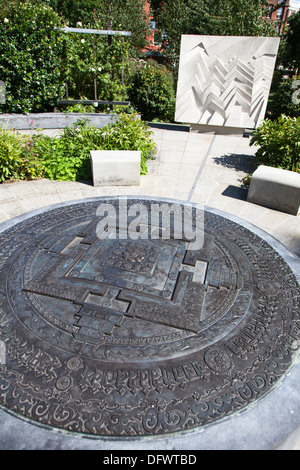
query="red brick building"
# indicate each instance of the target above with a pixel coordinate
(152, 45)
(280, 10)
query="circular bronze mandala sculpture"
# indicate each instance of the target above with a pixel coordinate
(114, 336)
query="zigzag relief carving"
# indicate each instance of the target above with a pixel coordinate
(225, 81)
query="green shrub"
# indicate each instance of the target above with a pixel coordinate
(19, 157)
(279, 143)
(130, 133)
(152, 92)
(282, 101)
(78, 108)
(31, 57)
(68, 157)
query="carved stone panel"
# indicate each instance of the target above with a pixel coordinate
(225, 80)
(138, 337)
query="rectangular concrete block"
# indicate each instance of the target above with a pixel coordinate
(116, 167)
(275, 188)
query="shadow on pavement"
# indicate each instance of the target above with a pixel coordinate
(238, 162)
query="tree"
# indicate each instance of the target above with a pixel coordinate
(230, 18)
(128, 15)
(172, 17)
(292, 38)
(31, 57)
(209, 17)
(152, 92)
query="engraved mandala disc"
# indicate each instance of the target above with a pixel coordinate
(123, 336)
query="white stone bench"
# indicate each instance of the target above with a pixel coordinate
(275, 188)
(116, 167)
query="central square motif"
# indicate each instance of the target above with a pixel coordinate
(135, 257)
(142, 265)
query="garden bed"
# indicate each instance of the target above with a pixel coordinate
(67, 157)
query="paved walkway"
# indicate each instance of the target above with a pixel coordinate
(200, 168)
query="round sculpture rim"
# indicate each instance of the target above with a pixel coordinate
(290, 258)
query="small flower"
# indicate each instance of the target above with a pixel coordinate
(6, 20)
(99, 69)
(82, 41)
(22, 145)
(31, 122)
(78, 23)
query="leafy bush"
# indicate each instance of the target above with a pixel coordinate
(152, 92)
(31, 54)
(19, 157)
(77, 108)
(130, 133)
(279, 143)
(282, 99)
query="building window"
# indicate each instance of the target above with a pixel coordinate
(269, 12)
(153, 25)
(279, 13)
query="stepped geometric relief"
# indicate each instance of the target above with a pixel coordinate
(225, 81)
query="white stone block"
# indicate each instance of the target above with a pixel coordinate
(116, 167)
(225, 80)
(275, 188)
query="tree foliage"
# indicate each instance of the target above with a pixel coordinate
(89, 59)
(126, 15)
(292, 42)
(209, 17)
(31, 57)
(152, 92)
(232, 18)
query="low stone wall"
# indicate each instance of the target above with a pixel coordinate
(53, 120)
